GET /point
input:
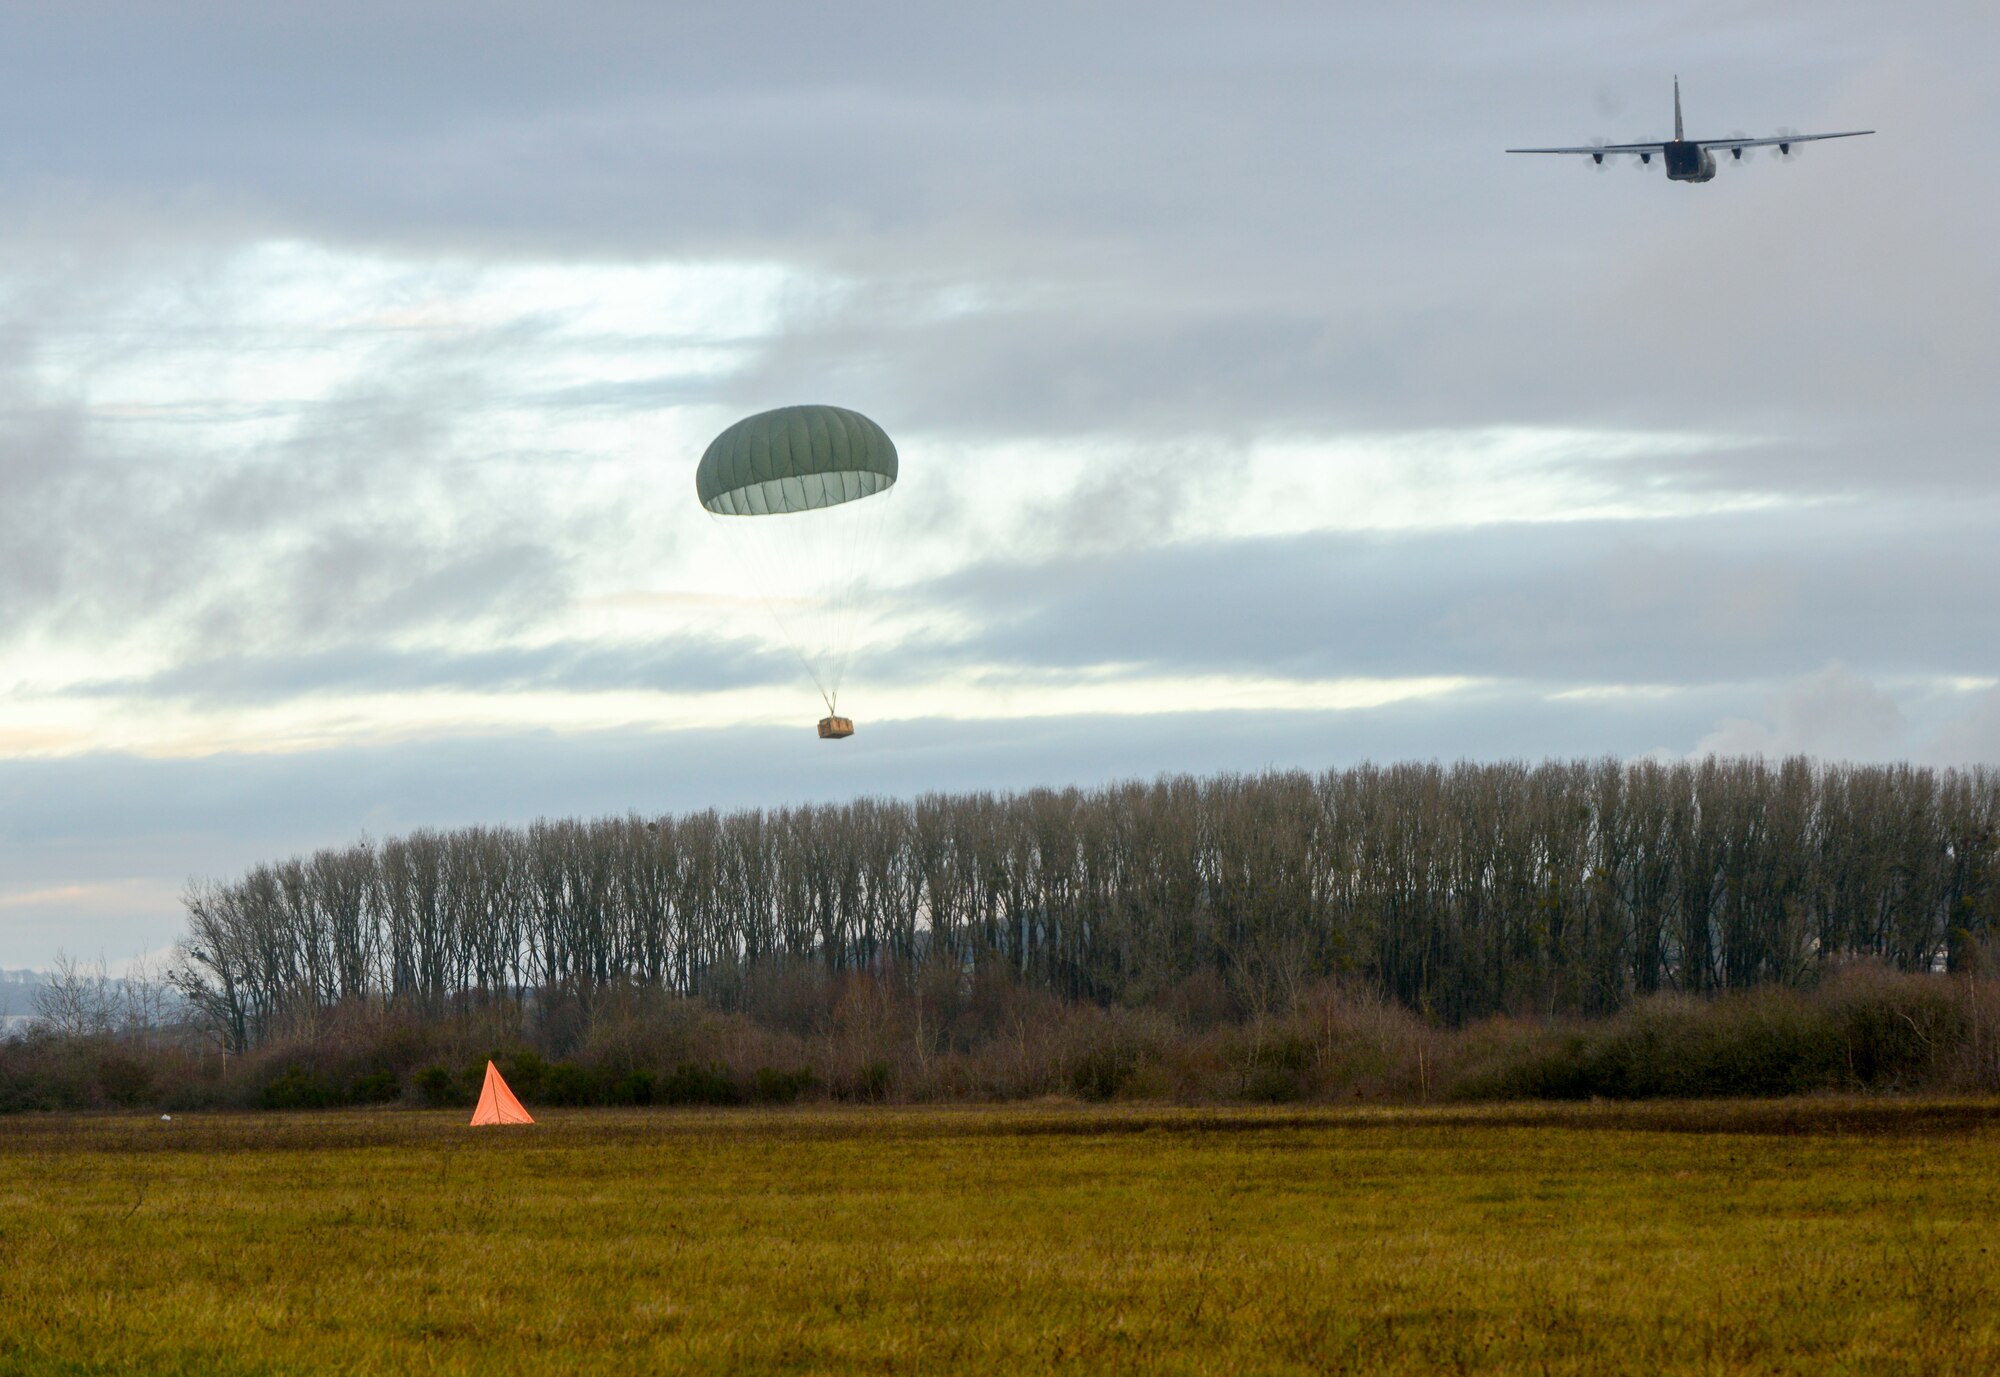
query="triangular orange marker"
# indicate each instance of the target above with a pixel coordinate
(497, 1104)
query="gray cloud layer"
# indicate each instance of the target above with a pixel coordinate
(1171, 229)
(682, 665)
(1686, 601)
(1186, 215)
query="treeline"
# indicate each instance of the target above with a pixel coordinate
(1459, 892)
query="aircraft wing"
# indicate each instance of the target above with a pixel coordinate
(1776, 139)
(1600, 149)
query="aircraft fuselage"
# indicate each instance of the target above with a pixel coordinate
(1686, 160)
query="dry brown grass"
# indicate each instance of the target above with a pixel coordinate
(1814, 1235)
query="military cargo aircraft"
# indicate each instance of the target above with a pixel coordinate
(1692, 160)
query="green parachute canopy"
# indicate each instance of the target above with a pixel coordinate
(795, 459)
(807, 571)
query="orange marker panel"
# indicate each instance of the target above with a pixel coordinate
(497, 1104)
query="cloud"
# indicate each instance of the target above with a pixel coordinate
(1971, 737)
(1833, 715)
(318, 523)
(279, 449)
(1734, 598)
(362, 354)
(682, 665)
(1163, 216)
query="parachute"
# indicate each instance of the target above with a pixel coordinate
(801, 492)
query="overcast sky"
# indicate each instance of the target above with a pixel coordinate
(1255, 409)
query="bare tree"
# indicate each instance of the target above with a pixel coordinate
(1568, 887)
(77, 999)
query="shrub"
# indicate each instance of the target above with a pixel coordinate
(564, 1083)
(634, 1087)
(298, 1088)
(438, 1088)
(525, 1073)
(1200, 1001)
(871, 1083)
(41, 1072)
(1766, 1043)
(126, 1080)
(1275, 1068)
(1896, 1029)
(1274, 1085)
(783, 1087)
(1283, 1051)
(1102, 1071)
(1862, 1027)
(376, 1087)
(698, 1085)
(1773, 1043)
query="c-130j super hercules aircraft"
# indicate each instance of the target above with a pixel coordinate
(1692, 160)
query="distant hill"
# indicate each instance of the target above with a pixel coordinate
(17, 992)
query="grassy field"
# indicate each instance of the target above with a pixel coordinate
(1819, 1236)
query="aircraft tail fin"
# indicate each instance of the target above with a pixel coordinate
(1677, 110)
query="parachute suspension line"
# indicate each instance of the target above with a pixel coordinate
(756, 576)
(800, 488)
(855, 551)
